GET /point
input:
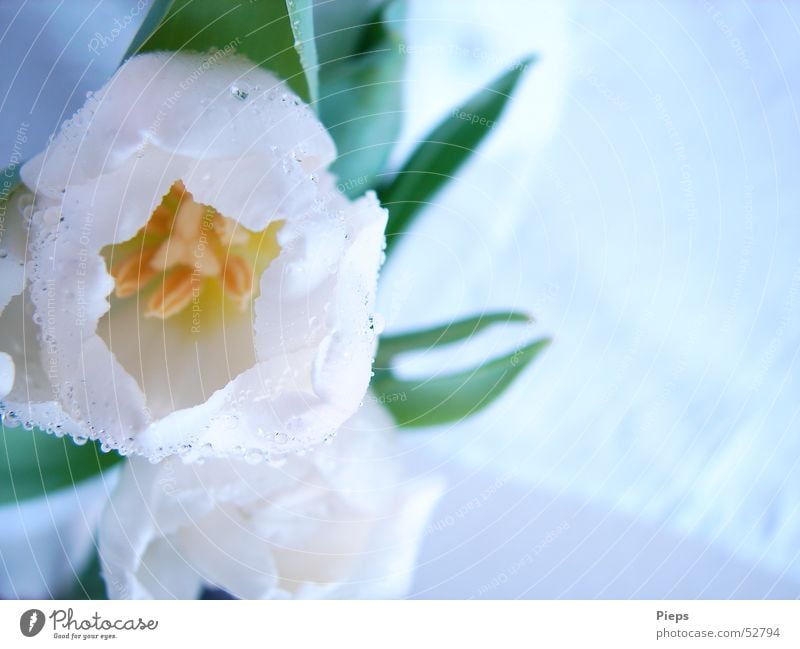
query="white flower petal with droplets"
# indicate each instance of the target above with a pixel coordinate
(181, 104)
(25, 393)
(278, 378)
(340, 522)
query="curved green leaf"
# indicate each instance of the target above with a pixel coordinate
(33, 463)
(340, 26)
(301, 16)
(155, 14)
(392, 345)
(450, 398)
(361, 100)
(90, 584)
(261, 30)
(437, 159)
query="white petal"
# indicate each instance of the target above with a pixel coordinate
(6, 374)
(339, 522)
(137, 557)
(30, 400)
(13, 239)
(230, 555)
(343, 368)
(184, 104)
(393, 547)
(372, 534)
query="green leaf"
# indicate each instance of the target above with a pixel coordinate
(452, 332)
(90, 584)
(301, 15)
(361, 100)
(155, 14)
(9, 181)
(340, 26)
(440, 155)
(33, 463)
(445, 399)
(259, 29)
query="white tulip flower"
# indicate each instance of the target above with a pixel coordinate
(341, 522)
(198, 284)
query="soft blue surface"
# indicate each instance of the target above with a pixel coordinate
(51, 59)
(642, 201)
(657, 236)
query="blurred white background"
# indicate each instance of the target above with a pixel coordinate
(640, 200)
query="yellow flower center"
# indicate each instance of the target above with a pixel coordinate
(189, 247)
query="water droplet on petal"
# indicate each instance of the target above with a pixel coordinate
(377, 323)
(239, 93)
(254, 456)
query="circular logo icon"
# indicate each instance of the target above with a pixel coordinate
(31, 622)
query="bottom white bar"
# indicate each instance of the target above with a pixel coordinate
(402, 624)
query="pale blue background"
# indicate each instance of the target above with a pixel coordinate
(641, 199)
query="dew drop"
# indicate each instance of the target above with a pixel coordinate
(377, 323)
(9, 419)
(253, 456)
(239, 93)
